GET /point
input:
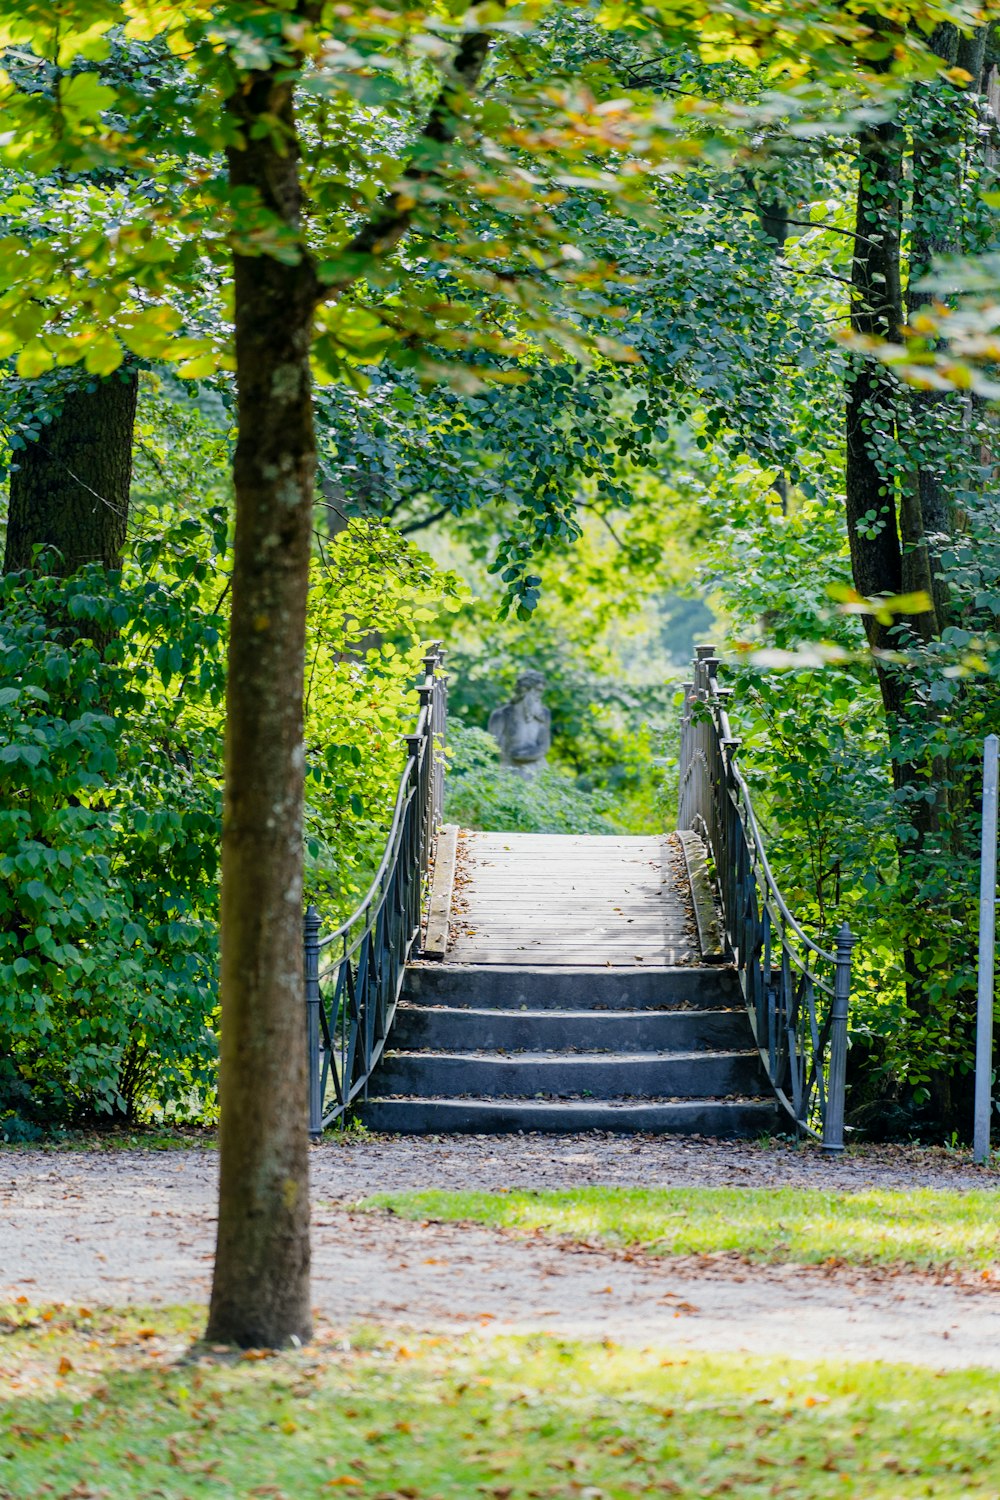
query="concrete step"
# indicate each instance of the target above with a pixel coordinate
(602, 1075)
(441, 1028)
(726, 1118)
(511, 987)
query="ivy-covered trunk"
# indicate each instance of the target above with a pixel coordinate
(260, 1293)
(70, 489)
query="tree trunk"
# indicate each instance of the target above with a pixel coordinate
(876, 312)
(70, 490)
(260, 1293)
(928, 515)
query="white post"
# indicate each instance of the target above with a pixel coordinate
(987, 936)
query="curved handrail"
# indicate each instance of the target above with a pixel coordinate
(804, 1051)
(402, 798)
(351, 1001)
(765, 867)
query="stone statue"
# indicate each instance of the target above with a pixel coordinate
(523, 728)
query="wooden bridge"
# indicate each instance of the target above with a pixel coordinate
(565, 983)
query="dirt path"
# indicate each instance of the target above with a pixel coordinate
(138, 1227)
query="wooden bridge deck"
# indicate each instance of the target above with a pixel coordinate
(552, 899)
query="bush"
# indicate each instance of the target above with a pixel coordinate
(109, 832)
(111, 733)
(480, 793)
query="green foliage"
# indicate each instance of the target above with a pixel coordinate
(110, 828)
(480, 793)
(372, 600)
(816, 751)
(627, 350)
(598, 637)
(109, 835)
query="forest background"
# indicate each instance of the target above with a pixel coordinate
(585, 417)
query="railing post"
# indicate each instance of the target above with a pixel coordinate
(311, 961)
(833, 1124)
(982, 1106)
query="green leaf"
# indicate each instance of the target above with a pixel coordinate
(35, 360)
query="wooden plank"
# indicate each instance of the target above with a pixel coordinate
(439, 913)
(583, 898)
(606, 877)
(524, 943)
(552, 939)
(566, 959)
(562, 921)
(475, 839)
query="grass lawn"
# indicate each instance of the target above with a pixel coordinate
(117, 1406)
(926, 1229)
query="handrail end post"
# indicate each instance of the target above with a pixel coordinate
(310, 953)
(985, 983)
(833, 1123)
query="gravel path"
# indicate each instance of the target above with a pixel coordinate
(138, 1227)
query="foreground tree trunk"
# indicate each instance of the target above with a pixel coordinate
(260, 1293)
(70, 490)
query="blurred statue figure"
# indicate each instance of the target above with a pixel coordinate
(523, 728)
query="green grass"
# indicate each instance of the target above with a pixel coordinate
(119, 1405)
(925, 1229)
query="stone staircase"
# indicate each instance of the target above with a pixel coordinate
(506, 1047)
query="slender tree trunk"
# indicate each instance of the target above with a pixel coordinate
(872, 395)
(70, 490)
(260, 1293)
(935, 212)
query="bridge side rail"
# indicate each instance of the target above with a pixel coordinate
(353, 976)
(796, 992)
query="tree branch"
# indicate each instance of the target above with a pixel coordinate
(424, 521)
(392, 218)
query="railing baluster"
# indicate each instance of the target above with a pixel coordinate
(311, 955)
(833, 1124)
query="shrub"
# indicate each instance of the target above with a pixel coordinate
(111, 732)
(480, 793)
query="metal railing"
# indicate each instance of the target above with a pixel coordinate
(796, 992)
(354, 975)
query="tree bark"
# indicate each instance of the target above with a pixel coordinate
(260, 1292)
(876, 312)
(70, 490)
(928, 515)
